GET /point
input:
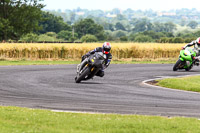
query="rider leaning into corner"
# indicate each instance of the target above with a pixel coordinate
(196, 44)
(104, 49)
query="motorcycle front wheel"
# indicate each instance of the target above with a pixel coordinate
(82, 75)
(177, 65)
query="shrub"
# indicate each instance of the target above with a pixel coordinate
(143, 38)
(89, 38)
(178, 40)
(46, 38)
(164, 40)
(124, 38)
(188, 40)
(51, 34)
(31, 37)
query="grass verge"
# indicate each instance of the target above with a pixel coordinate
(57, 62)
(190, 83)
(15, 120)
(41, 62)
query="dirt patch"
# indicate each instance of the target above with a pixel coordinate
(153, 82)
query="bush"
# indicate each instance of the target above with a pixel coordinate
(124, 38)
(66, 35)
(119, 33)
(178, 40)
(31, 37)
(164, 40)
(143, 38)
(51, 34)
(188, 40)
(46, 38)
(89, 38)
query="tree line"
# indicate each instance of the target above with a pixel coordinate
(25, 21)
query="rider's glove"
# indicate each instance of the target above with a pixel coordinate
(183, 48)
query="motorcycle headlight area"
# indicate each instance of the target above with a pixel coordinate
(186, 53)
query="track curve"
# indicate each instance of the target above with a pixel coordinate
(119, 91)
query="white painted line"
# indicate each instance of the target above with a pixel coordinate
(66, 111)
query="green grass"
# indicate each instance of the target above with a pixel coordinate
(18, 120)
(191, 83)
(57, 62)
(144, 62)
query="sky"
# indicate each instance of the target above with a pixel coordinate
(157, 5)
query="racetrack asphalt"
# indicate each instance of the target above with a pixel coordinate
(120, 91)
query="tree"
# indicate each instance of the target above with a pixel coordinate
(108, 26)
(153, 34)
(143, 25)
(116, 11)
(169, 27)
(119, 33)
(52, 23)
(158, 27)
(119, 26)
(88, 26)
(192, 24)
(67, 35)
(19, 17)
(183, 22)
(164, 27)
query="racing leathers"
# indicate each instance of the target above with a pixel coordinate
(196, 49)
(107, 61)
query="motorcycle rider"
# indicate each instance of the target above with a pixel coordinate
(104, 49)
(196, 44)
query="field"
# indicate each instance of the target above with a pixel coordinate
(40, 51)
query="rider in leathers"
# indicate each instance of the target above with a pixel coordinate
(196, 44)
(104, 49)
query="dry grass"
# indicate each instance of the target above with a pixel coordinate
(75, 51)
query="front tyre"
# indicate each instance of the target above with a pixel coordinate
(82, 75)
(177, 65)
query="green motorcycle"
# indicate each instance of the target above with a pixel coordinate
(186, 59)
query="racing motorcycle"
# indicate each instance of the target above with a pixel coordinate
(90, 66)
(186, 59)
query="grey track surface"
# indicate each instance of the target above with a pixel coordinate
(119, 91)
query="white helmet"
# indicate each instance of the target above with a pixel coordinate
(106, 47)
(198, 40)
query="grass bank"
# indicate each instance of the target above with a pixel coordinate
(59, 62)
(190, 83)
(18, 120)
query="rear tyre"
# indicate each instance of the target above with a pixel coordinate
(83, 75)
(176, 66)
(187, 69)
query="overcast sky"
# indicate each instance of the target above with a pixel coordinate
(157, 5)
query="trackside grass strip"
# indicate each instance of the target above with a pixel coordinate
(59, 62)
(18, 120)
(190, 83)
(21, 62)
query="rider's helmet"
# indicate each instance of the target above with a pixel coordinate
(198, 41)
(106, 47)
